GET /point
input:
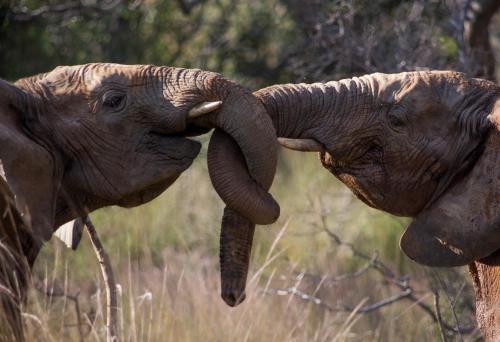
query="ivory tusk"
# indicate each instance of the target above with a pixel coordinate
(304, 145)
(204, 108)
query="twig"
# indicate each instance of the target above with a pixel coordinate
(438, 316)
(53, 292)
(450, 302)
(400, 282)
(344, 276)
(78, 318)
(109, 280)
(362, 310)
(372, 262)
(384, 302)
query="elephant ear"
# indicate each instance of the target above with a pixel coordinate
(463, 225)
(31, 171)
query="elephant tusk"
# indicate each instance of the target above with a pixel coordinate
(304, 145)
(204, 108)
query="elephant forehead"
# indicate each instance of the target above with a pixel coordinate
(430, 85)
(388, 88)
(60, 78)
(90, 77)
(97, 80)
(96, 75)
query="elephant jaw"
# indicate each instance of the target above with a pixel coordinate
(358, 184)
(169, 155)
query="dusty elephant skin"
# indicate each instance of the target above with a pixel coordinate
(236, 230)
(421, 144)
(79, 138)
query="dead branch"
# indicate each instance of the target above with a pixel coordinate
(109, 280)
(339, 308)
(373, 262)
(52, 292)
(401, 282)
(340, 277)
(438, 316)
(450, 302)
(405, 294)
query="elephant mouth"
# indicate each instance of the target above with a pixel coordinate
(176, 145)
(362, 176)
(191, 130)
(170, 152)
(352, 162)
(160, 158)
(335, 167)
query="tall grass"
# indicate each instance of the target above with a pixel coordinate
(165, 258)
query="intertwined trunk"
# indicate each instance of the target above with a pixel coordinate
(242, 160)
(297, 111)
(244, 119)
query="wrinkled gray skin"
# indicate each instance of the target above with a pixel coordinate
(421, 144)
(83, 137)
(411, 144)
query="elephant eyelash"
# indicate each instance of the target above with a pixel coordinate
(397, 117)
(114, 101)
(396, 121)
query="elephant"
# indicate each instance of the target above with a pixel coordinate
(423, 144)
(79, 138)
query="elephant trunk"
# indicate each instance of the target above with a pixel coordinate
(242, 158)
(237, 231)
(295, 111)
(244, 119)
(302, 111)
(235, 249)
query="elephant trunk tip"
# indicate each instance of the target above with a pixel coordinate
(234, 296)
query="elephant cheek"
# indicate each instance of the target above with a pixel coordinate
(147, 194)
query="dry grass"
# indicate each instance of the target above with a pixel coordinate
(165, 260)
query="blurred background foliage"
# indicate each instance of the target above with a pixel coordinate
(168, 248)
(255, 42)
(243, 39)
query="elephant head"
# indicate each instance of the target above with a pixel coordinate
(82, 137)
(419, 144)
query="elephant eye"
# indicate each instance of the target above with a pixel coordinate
(114, 101)
(396, 121)
(397, 118)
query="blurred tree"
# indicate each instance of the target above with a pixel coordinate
(477, 36)
(341, 38)
(244, 39)
(257, 42)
